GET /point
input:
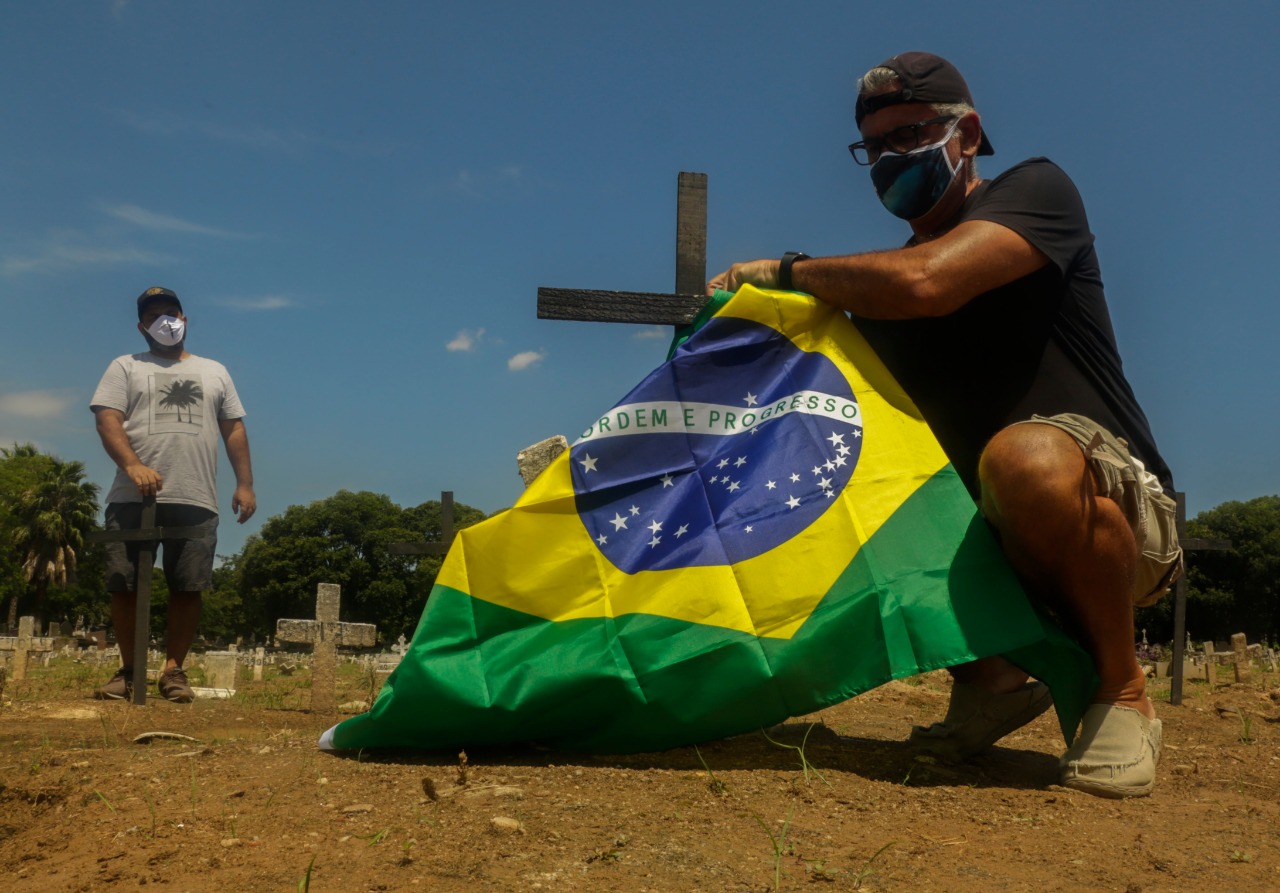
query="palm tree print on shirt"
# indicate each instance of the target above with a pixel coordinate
(177, 403)
(180, 394)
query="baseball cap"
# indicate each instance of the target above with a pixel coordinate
(153, 294)
(925, 78)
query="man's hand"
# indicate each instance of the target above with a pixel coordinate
(760, 273)
(245, 503)
(148, 481)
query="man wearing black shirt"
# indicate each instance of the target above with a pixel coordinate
(994, 321)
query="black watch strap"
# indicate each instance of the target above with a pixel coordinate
(784, 270)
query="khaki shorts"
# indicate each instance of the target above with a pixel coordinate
(1151, 513)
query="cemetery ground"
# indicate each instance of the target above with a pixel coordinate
(832, 801)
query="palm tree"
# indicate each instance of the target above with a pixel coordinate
(180, 394)
(52, 517)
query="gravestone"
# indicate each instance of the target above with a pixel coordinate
(219, 675)
(259, 658)
(1240, 657)
(533, 460)
(22, 646)
(325, 634)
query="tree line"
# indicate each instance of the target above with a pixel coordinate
(48, 510)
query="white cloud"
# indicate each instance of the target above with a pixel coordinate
(492, 183)
(288, 141)
(466, 340)
(525, 360)
(651, 332)
(165, 223)
(35, 404)
(69, 250)
(265, 302)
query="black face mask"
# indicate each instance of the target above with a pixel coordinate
(910, 185)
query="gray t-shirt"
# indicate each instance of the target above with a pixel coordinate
(171, 413)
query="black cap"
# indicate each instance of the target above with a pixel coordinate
(925, 78)
(153, 294)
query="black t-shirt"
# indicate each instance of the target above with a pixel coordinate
(1042, 344)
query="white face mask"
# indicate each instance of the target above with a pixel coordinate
(168, 331)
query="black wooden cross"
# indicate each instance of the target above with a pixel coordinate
(148, 536)
(1189, 544)
(446, 533)
(649, 307)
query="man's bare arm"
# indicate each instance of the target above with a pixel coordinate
(244, 501)
(110, 424)
(931, 279)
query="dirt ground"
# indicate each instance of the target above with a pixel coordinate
(834, 801)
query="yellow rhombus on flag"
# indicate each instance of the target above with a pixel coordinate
(763, 527)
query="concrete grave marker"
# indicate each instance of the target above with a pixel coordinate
(219, 674)
(22, 646)
(533, 460)
(325, 634)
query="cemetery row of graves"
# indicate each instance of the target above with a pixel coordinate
(313, 647)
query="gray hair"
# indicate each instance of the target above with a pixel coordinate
(881, 80)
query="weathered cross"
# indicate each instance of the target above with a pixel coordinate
(26, 644)
(649, 307)
(1189, 544)
(446, 533)
(325, 634)
(148, 536)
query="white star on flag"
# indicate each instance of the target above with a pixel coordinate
(588, 463)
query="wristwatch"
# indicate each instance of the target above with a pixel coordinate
(784, 271)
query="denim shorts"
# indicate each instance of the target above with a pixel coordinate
(1151, 513)
(188, 563)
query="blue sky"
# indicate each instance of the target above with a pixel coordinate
(358, 202)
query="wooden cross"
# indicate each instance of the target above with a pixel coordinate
(325, 634)
(1188, 544)
(651, 308)
(446, 533)
(148, 536)
(26, 644)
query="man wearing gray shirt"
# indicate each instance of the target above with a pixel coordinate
(159, 415)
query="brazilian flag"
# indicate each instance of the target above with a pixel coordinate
(765, 526)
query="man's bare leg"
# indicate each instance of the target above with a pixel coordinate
(123, 605)
(183, 621)
(1069, 546)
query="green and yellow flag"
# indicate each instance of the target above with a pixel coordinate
(763, 527)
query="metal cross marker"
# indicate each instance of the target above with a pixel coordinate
(1189, 544)
(649, 307)
(447, 533)
(325, 634)
(148, 536)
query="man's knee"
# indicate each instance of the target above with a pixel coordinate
(1031, 465)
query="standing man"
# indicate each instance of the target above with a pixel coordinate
(993, 319)
(159, 415)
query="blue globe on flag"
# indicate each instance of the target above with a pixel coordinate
(693, 468)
